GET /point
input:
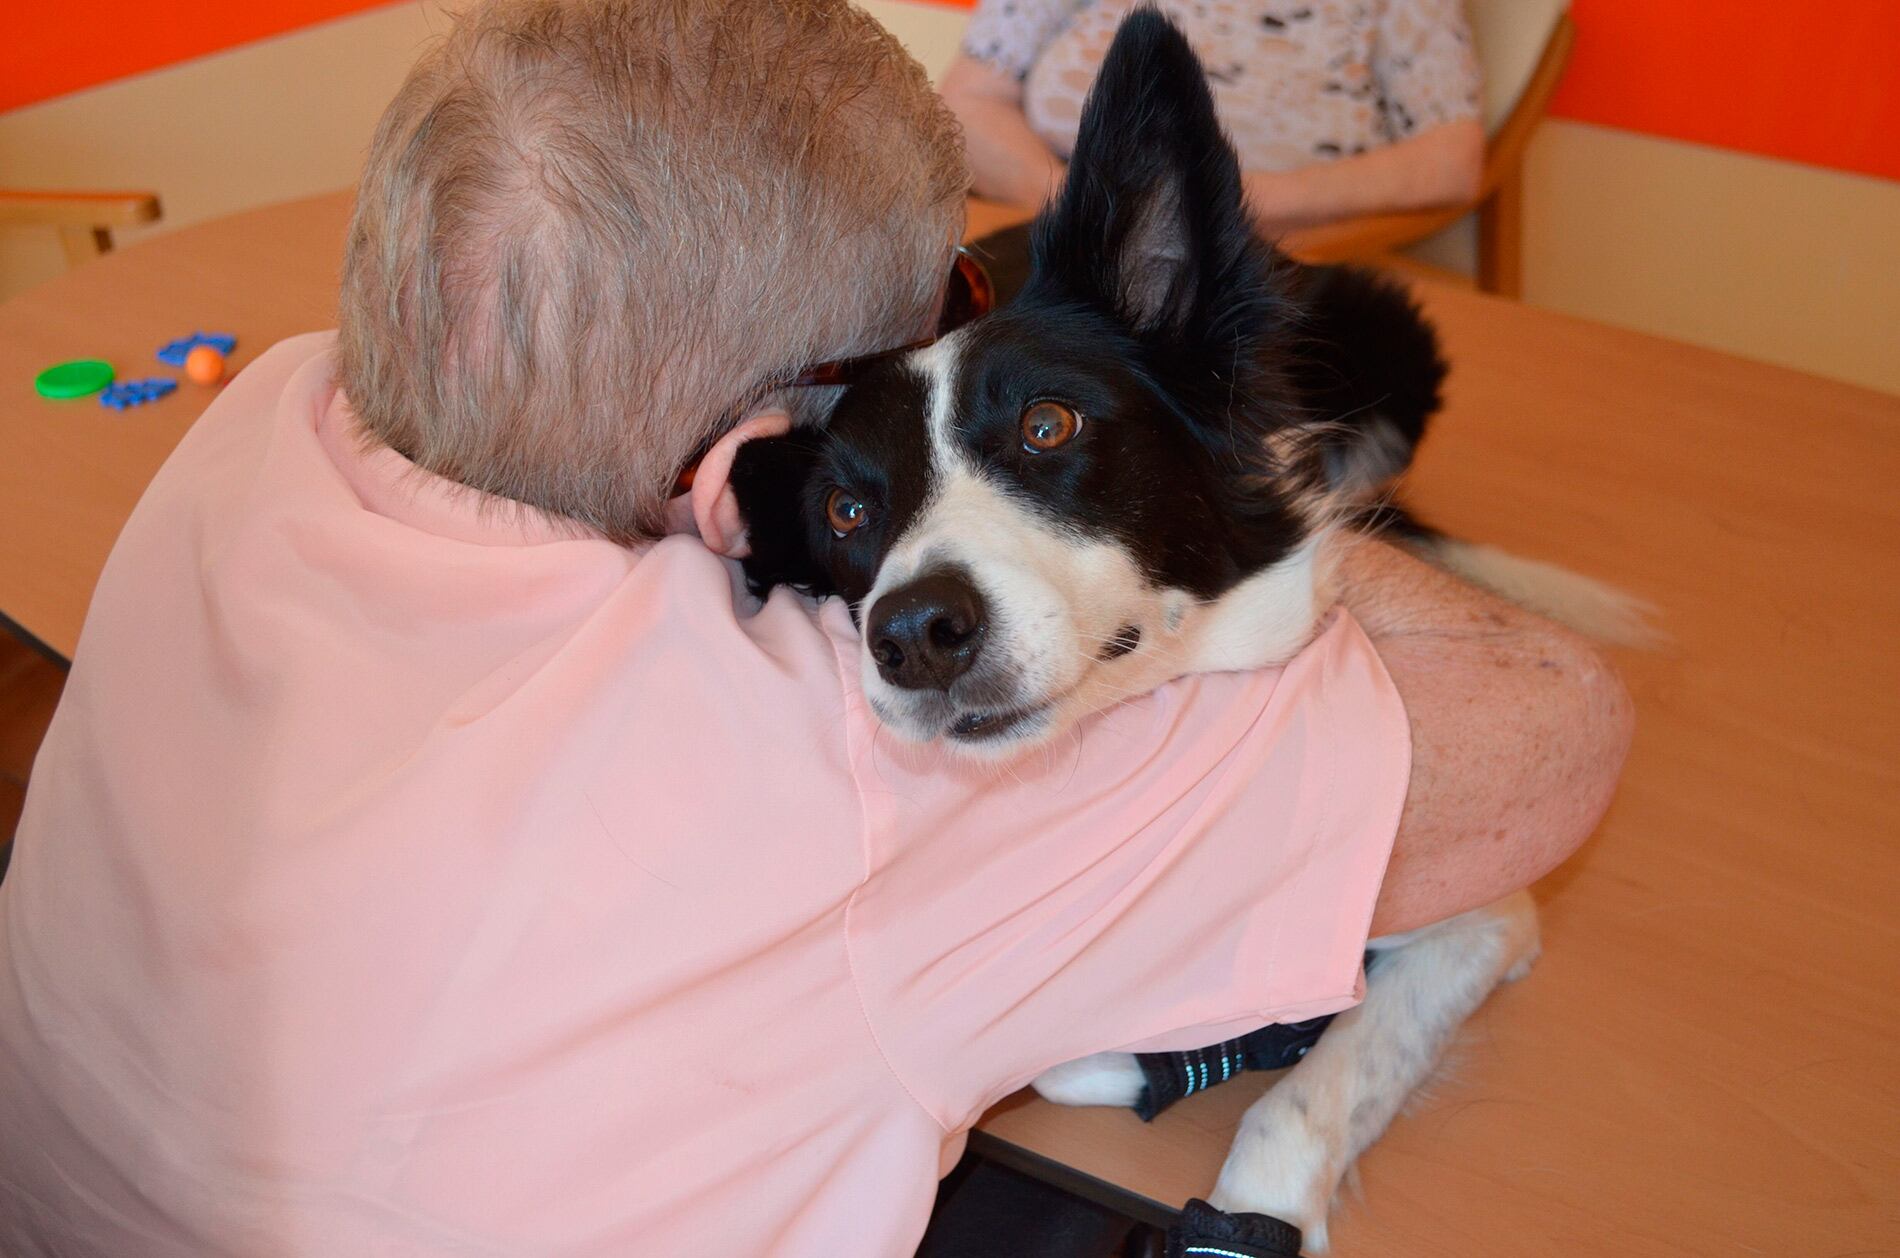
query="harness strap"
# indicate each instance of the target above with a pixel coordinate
(1171, 1076)
(1204, 1232)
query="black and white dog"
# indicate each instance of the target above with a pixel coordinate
(1123, 475)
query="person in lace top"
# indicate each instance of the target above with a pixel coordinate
(1337, 107)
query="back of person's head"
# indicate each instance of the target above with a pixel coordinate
(591, 231)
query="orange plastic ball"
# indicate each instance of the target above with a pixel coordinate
(204, 364)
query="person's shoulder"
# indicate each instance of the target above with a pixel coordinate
(225, 447)
(305, 359)
(292, 376)
(299, 348)
(783, 640)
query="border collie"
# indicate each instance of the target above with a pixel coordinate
(1123, 475)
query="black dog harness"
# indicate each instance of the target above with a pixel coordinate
(1171, 1076)
(1204, 1232)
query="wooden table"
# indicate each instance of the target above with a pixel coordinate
(1707, 1061)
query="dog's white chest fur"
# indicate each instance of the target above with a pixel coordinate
(1263, 621)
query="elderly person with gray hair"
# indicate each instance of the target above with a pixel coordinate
(436, 852)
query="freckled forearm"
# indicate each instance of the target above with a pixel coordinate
(1519, 730)
(1440, 166)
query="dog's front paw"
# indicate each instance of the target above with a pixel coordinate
(1102, 1079)
(1279, 1165)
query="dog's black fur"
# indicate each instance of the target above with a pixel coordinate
(1225, 385)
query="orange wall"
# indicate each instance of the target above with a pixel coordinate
(53, 48)
(1814, 83)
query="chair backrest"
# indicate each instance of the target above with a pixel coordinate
(1510, 36)
(85, 219)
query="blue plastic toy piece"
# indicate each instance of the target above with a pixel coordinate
(172, 353)
(136, 392)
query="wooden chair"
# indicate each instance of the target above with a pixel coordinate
(85, 219)
(1519, 81)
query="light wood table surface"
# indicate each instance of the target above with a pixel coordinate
(1707, 1060)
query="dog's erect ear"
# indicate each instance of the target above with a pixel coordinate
(1151, 223)
(769, 476)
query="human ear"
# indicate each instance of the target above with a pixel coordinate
(713, 506)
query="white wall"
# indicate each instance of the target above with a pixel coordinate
(1773, 260)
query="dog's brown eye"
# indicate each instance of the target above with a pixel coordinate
(1047, 425)
(843, 512)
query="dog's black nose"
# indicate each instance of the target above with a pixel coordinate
(926, 634)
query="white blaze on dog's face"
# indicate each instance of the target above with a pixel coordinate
(1053, 605)
(1028, 535)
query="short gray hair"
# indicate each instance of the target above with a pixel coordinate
(589, 231)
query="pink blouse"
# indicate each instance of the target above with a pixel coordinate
(407, 873)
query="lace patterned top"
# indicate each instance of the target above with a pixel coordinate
(1295, 81)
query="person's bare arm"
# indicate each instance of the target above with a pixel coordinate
(1008, 161)
(1519, 729)
(1439, 166)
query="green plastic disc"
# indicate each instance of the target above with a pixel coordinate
(74, 379)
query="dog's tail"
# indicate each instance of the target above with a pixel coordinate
(1591, 607)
